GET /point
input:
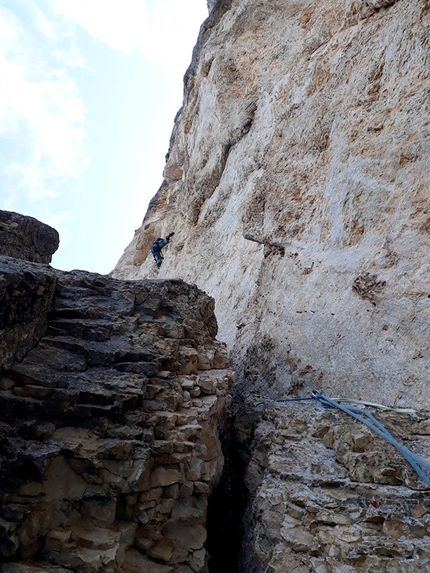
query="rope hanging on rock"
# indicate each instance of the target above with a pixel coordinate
(419, 465)
(360, 414)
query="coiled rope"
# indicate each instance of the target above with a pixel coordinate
(360, 414)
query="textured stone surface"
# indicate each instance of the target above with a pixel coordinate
(297, 184)
(330, 496)
(211, 4)
(109, 442)
(26, 293)
(27, 238)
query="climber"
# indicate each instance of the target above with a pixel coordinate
(157, 246)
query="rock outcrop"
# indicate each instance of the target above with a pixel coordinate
(297, 185)
(27, 238)
(26, 294)
(330, 496)
(109, 443)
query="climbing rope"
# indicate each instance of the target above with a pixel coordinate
(360, 414)
(375, 405)
(419, 465)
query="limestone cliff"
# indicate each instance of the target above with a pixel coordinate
(297, 183)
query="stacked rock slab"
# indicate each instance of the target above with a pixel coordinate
(330, 496)
(109, 436)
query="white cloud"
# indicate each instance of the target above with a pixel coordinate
(41, 113)
(156, 28)
(42, 136)
(115, 22)
(43, 142)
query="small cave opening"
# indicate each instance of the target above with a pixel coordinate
(227, 505)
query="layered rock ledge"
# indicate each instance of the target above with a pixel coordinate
(109, 442)
(328, 495)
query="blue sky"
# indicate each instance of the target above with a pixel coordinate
(88, 93)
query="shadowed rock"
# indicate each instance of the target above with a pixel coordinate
(109, 442)
(27, 238)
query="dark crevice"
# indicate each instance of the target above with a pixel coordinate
(228, 504)
(228, 530)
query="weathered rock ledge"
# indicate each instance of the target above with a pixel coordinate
(27, 238)
(109, 442)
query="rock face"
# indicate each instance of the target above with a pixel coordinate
(27, 238)
(211, 5)
(26, 293)
(330, 496)
(297, 184)
(109, 442)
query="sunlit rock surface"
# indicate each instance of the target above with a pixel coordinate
(109, 442)
(297, 183)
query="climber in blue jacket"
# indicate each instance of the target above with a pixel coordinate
(156, 248)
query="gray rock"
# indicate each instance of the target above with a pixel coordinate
(26, 295)
(211, 5)
(27, 238)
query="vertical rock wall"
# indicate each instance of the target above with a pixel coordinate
(109, 442)
(297, 182)
(26, 290)
(26, 295)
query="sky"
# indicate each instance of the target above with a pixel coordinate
(88, 93)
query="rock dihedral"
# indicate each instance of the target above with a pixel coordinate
(27, 238)
(297, 183)
(109, 442)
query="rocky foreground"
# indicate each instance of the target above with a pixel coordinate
(109, 447)
(111, 394)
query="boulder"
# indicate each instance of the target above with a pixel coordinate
(24, 237)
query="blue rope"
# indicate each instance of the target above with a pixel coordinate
(419, 465)
(296, 400)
